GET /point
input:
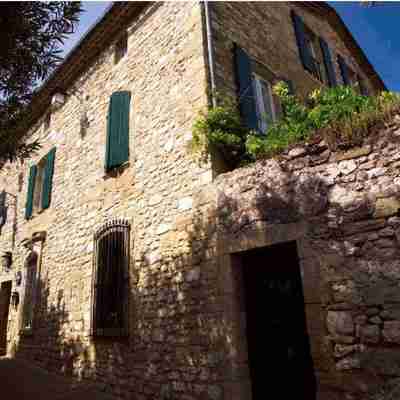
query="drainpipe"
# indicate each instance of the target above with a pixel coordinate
(210, 51)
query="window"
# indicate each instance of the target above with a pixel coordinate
(31, 271)
(40, 185)
(314, 52)
(264, 103)
(349, 77)
(117, 141)
(111, 280)
(121, 48)
(38, 189)
(316, 55)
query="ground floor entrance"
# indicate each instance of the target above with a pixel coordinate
(5, 296)
(279, 356)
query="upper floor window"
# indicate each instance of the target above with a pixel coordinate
(111, 280)
(121, 48)
(40, 184)
(351, 78)
(314, 52)
(264, 102)
(258, 106)
(117, 141)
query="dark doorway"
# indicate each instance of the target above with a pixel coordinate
(5, 295)
(279, 352)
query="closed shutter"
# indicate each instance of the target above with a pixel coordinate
(304, 50)
(31, 188)
(363, 88)
(117, 142)
(330, 71)
(247, 104)
(48, 178)
(3, 209)
(344, 71)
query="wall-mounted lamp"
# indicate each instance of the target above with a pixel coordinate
(57, 100)
(15, 299)
(6, 261)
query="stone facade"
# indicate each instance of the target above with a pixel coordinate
(342, 209)
(186, 336)
(266, 33)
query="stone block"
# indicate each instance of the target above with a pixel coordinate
(340, 323)
(391, 331)
(369, 334)
(386, 207)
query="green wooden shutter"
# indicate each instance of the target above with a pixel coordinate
(117, 142)
(247, 104)
(304, 50)
(344, 70)
(330, 71)
(3, 208)
(31, 188)
(48, 178)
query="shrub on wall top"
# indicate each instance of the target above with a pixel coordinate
(339, 114)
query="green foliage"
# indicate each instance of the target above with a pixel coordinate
(221, 128)
(340, 115)
(32, 33)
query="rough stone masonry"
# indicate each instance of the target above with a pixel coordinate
(343, 210)
(187, 338)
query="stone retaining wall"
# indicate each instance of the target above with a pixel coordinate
(343, 210)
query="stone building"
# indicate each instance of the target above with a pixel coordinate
(132, 268)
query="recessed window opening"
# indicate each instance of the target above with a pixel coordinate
(38, 190)
(121, 48)
(312, 43)
(266, 113)
(110, 286)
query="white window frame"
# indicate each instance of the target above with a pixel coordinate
(260, 103)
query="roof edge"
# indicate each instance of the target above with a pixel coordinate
(338, 24)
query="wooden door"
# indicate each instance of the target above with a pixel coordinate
(279, 352)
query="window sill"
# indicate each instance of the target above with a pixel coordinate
(116, 171)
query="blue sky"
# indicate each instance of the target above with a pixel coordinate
(376, 30)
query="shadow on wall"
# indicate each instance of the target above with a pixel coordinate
(181, 345)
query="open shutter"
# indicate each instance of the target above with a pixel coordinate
(31, 188)
(304, 50)
(330, 71)
(247, 102)
(48, 178)
(117, 142)
(363, 88)
(344, 70)
(3, 209)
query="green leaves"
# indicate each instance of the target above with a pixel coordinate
(340, 114)
(29, 52)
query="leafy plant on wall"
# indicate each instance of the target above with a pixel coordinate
(340, 115)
